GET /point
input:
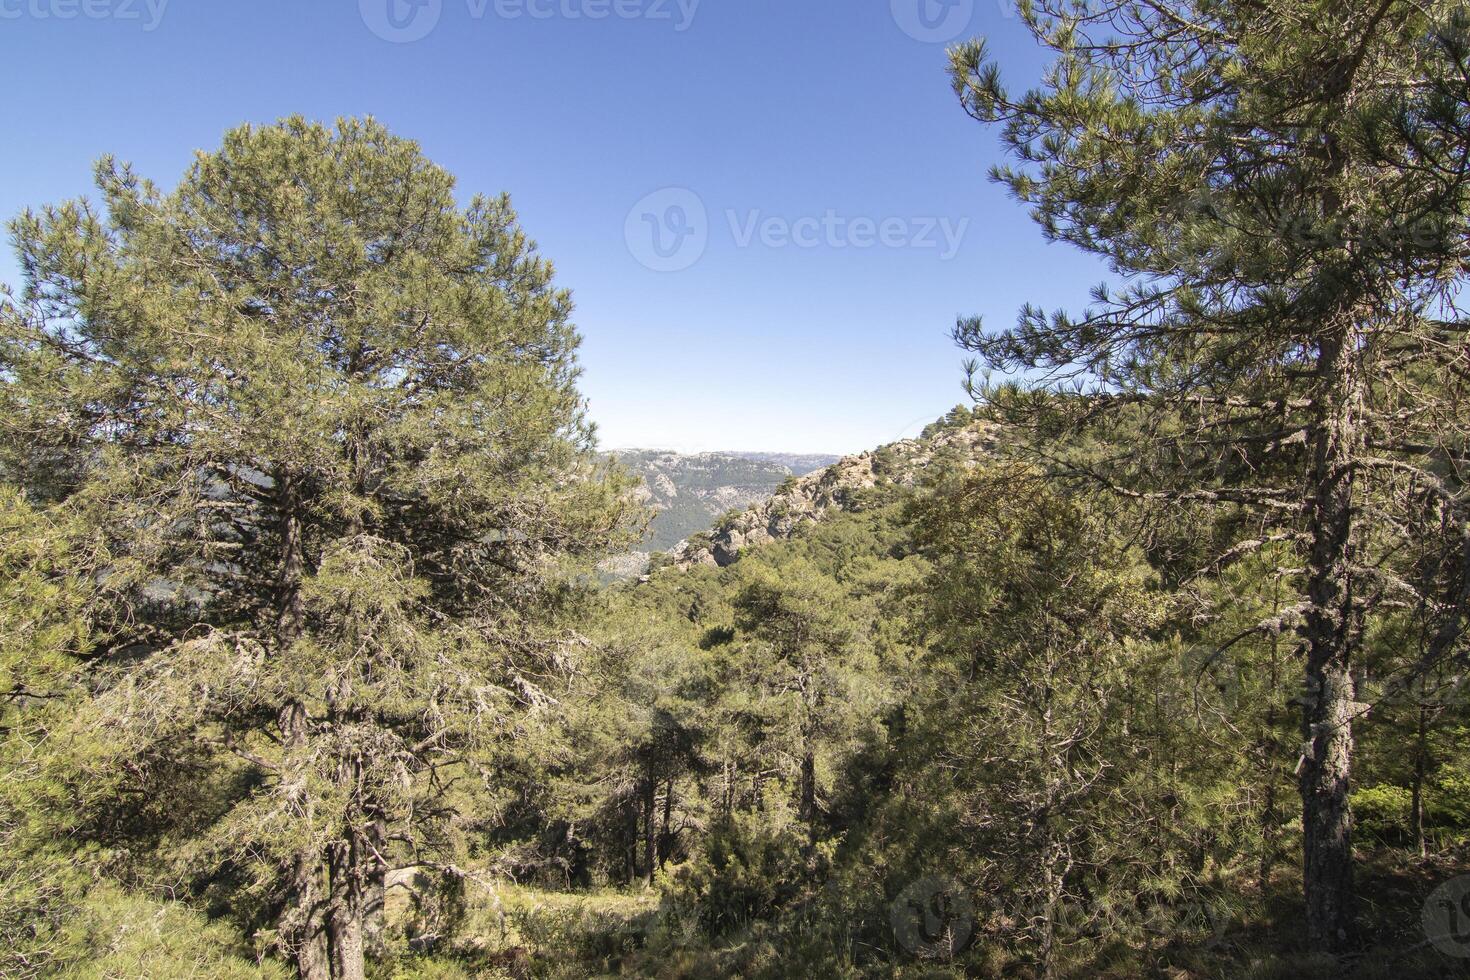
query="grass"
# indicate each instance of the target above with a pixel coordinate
(526, 932)
(511, 932)
(516, 931)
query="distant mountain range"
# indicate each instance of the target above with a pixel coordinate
(956, 439)
(711, 506)
(690, 492)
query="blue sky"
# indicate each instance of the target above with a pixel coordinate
(770, 211)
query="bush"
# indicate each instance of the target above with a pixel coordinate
(131, 936)
(1447, 805)
(1382, 812)
(745, 872)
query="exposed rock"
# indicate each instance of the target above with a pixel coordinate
(689, 492)
(841, 486)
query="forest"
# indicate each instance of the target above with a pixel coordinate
(1148, 659)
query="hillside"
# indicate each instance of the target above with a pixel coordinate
(841, 486)
(690, 492)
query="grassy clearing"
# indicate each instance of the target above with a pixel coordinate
(523, 933)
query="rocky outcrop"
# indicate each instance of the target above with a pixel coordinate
(689, 492)
(844, 485)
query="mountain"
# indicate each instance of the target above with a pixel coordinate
(689, 492)
(798, 463)
(840, 486)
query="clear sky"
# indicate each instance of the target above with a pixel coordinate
(770, 211)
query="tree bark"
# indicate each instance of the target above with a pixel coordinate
(1416, 808)
(665, 841)
(290, 608)
(650, 836)
(1052, 885)
(345, 919)
(808, 809)
(1269, 775)
(631, 837)
(1327, 705)
(375, 894)
(303, 924)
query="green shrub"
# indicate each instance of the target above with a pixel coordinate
(744, 873)
(1447, 806)
(1382, 812)
(128, 935)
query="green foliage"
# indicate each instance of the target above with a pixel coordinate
(746, 871)
(42, 633)
(127, 936)
(1280, 193)
(690, 492)
(320, 426)
(1041, 629)
(1382, 812)
(299, 505)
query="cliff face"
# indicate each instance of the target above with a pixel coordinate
(689, 492)
(841, 486)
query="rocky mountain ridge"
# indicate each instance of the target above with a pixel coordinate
(840, 486)
(688, 492)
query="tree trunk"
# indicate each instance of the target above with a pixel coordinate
(1416, 808)
(808, 809)
(1051, 764)
(1328, 703)
(1269, 818)
(665, 840)
(631, 838)
(375, 894)
(347, 945)
(1052, 885)
(290, 608)
(345, 919)
(302, 925)
(650, 837)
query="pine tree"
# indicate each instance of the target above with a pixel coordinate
(323, 425)
(1282, 190)
(42, 632)
(804, 662)
(639, 724)
(1035, 617)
